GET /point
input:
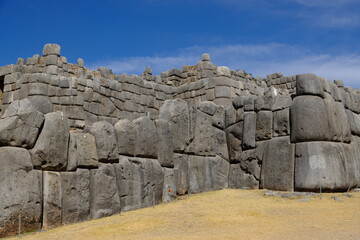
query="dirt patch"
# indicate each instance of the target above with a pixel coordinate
(228, 214)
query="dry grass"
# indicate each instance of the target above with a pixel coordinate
(226, 214)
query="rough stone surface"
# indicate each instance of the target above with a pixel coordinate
(181, 168)
(50, 49)
(177, 113)
(20, 124)
(239, 179)
(169, 190)
(146, 142)
(165, 143)
(278, 165)
(324, 164)
(249, 130)
(281, 122)
(52, 197)
(20, 188)
(125, 135)
(41, 103)
(309, 84)
(51, 148)
(75, 187)
(82, 151)
(106, 142)
(264, 125)
(104, 195)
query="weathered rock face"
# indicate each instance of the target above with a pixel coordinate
(20, 124)
(165, 143)
(106, 142)
(82, 151)
(75, 187)
(104, 195)
(324, 164)
(181, 168)
(125, 135)
(20, 188)
(169, 189)
(52, 197)
(51, 148)
(146, 143)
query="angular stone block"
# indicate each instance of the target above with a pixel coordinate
(51, 148)
(220, 144)
(354, 122)
(239, 179)
(20, 124)
(106, 142)
(104, 195)
(21, 193)
(324, 164)
(82, 151)
(52, 197)
(50, 49)
(281, 122)
(278, 165)
(169, 189)
(145, 139)
(125, 135)
(249, 130)
(264, 125)
(177, 112)
(309, 84)
(181, 168)
(75, 187)
(165, 143)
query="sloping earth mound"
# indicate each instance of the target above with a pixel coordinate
(228, 214)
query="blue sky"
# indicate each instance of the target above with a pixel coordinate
(259, 36)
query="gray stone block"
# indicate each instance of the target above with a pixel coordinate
(50, 49)
(324, 164)
(169, 189)
(82, 151)
(41, 103)
(21, 192)
(239, 179)
(75, 187)
(278, 165)
(354, 122)
(145, 139)
(165, 143)
(106, 142)
(125, 135)
(104, 195)
(281, 122)
(249, 130)
(20, 124)
(181, 168)
(309, 84)
(51, 60)
(249, 103)
(51, 148)
(52, 197)
(220, 144)
(264, 125)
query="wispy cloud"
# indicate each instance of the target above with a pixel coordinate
(258, 59)
(325, 3)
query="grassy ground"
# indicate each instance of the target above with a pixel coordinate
(226, 214)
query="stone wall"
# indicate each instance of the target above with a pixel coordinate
(78, 144)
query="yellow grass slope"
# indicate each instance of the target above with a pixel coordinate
(226, 214)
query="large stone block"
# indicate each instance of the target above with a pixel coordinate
(181, 168)
(106, 142)
(220, 144)
(41, 103)
(146, 138)
(309, 120)
(129, 179)
(104, 195)
(354, 122)
(165, 143)
(20, 124)
(52, 197)
(264, 125)
(50, 49)
(125, 135)
(20, 188)
(75, 187)
(207, 173)
(281, 123)
(240, 179)
(277, 172)
(324, 164)
(203, 143)
(51, 148)
(249, 130)
(169, 189)
(309, 84)
(82, 151)
(177, 112)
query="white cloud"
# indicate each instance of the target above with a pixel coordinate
(324, 3)
(257, 59)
